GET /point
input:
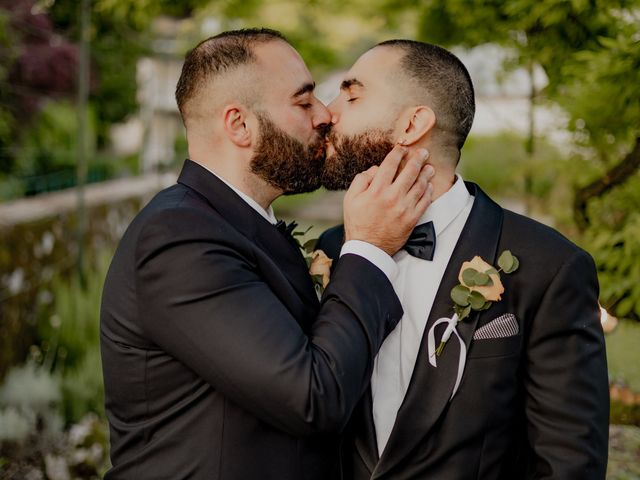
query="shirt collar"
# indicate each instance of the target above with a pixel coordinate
(267, 214)
(447, 207)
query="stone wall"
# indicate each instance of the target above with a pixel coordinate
(40, 244)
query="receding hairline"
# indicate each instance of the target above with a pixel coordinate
(218, 58)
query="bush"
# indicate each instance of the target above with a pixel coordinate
(616, 252)
(70, 340)
(501, 165)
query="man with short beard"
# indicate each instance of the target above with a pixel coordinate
(219, 362)
(520, 390)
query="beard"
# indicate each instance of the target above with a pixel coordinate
(286, 163)
(354, 154)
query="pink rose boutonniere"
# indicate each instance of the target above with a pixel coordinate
(317, 261)
(479, 287)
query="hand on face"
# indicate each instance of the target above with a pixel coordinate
(384, 203)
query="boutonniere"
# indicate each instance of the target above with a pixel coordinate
(318, 263)
(479, 287)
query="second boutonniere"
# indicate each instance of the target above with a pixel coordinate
(479, 287)
(317, 261)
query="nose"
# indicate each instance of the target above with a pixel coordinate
(333, 111)
(321, 116)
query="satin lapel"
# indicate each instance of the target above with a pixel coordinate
(365, 440)
(252, 225)
(430, 388)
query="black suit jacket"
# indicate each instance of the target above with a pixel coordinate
(531, 406)
(219, 362)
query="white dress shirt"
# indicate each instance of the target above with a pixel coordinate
(416, 285)
(267, 214)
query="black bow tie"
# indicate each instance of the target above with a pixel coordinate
(286, 228)
(422, 242)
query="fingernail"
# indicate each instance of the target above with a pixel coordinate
(430, 170)
(402, 141)
(424, 153)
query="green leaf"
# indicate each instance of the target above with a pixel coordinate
(515, 266)
(483, 280)
(477, 300)
(462, 312)
(506, 261)
(460, 295)
(310, 245)
(486, 306)
(492, 271)
(469, 275)
(308, 260)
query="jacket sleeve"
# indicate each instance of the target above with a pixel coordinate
(203, 302)
(566, 383)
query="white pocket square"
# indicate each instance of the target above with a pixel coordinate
(502, 327)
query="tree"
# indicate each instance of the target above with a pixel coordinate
(38, 64)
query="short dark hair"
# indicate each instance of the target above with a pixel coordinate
(444, 80)
(217, 55)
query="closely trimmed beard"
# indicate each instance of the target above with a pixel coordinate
(354, 154)
(286, 163)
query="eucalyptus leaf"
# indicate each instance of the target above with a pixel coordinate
(308, 260)
(464, 312)
(460, 295)
(487, 305)
(492, 271)
(482, 280)
(477, 300)
(505, 262)
(469, 276)
(310, 245)
(514, 267)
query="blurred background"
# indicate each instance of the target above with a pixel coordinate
(89, 131)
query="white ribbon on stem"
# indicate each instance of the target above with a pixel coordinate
(431, 346)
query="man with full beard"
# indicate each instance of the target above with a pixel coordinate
(219, 362)
(520, 390)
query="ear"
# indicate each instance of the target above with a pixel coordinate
(236, 126)
(419, 122)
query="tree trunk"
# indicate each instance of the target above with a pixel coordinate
(615, 176)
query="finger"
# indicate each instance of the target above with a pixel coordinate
(424, 202)
(409, 174)
(419, 188)
(362, 181)
(389, 167)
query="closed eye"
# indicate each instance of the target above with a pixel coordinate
(306, 106)
(352, 99)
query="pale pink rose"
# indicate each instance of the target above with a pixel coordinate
(491, 293)
(321, 265)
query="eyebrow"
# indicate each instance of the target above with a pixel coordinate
(347, 84)
(307, 87)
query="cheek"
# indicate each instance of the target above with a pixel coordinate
(298, 122)
(357, 118)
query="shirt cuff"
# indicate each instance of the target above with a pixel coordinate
(374, 254)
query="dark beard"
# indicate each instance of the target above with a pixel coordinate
(286, 163)
(354, 154)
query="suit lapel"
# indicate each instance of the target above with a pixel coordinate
(252, 225)
(430, 388)
(365, 439)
